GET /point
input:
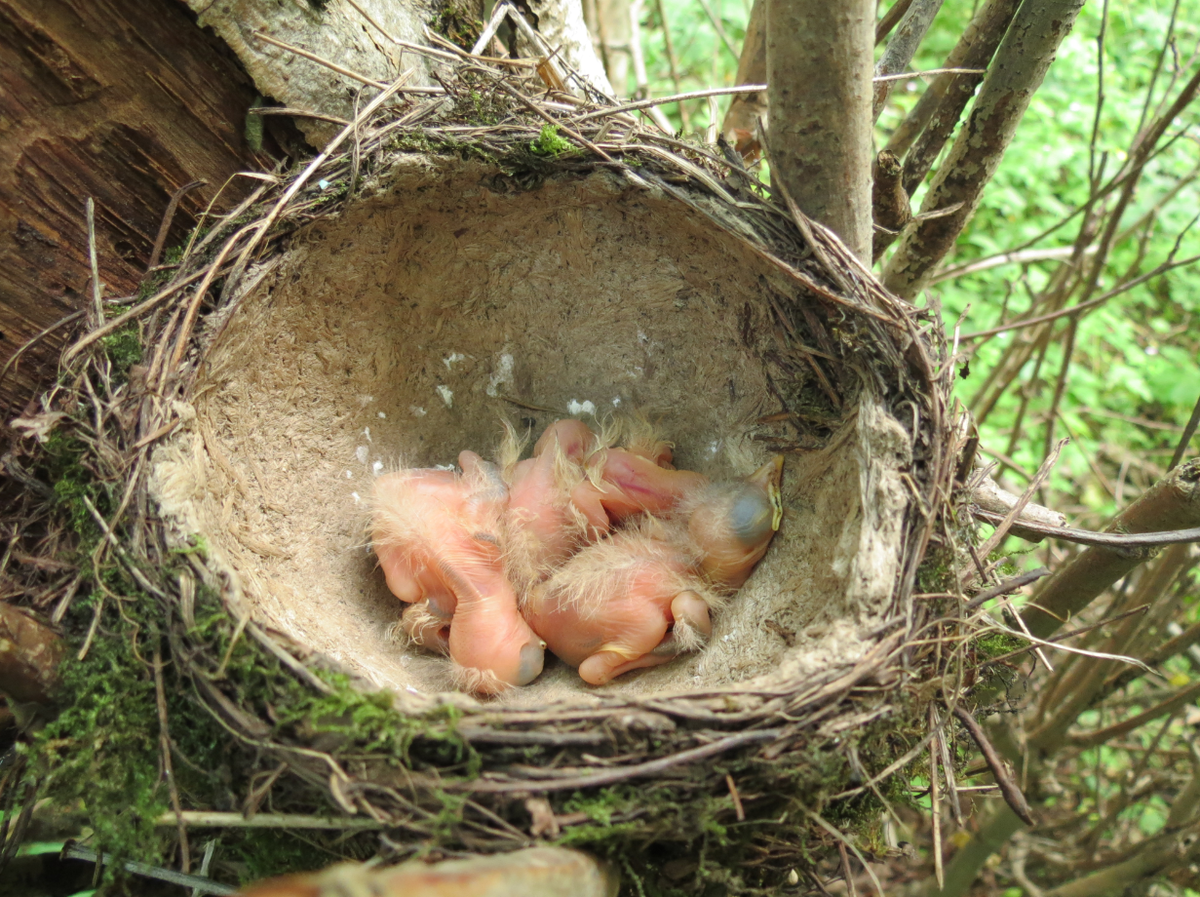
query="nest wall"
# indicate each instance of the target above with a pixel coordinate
(405, 328)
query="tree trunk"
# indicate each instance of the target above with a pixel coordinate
(819, 75)
(123, 101)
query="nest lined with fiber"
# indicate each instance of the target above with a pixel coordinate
(480, 251)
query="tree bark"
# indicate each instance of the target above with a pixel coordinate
(819, 75)
(360, 39)
(123, 101)
(900, 49)
(1171, 503)
(746, 108)
(1017, 71)
(921, 136)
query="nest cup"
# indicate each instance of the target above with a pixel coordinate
(404, 329)
(389, 306)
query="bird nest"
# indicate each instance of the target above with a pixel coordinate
(477, 253)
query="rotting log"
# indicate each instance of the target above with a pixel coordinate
(124, 101)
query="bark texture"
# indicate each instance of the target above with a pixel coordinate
(1171, 503)
(336, 32)
(819, 74)
(921, 136)
(1017, 71)
(124, 101)
(903, 44)
(561, 25)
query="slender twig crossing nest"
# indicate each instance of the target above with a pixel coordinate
(490, 250)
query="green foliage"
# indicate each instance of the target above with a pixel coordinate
(1134, 376)
(549, 143)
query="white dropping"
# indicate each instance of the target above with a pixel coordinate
(443, 467)
(576, 408)
(714, 448)
(364, 401)
(447, 395)
(452, 359)
(417, 410)
(616, 401)
(362, 454)
(349, 475)
(382, 416)
(354, 495)
(502, 375)
(377, 468)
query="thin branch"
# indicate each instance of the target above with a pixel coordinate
(213, 819)
(1104, 540)
(1012, 794)
(1084, 306)
(894, 14)
(164, 742)
(901, 48)
(204, 885)
(623, 773)
(1022, 60)
(97, 287)
(1188, 432)
(1006, 588)
(1101, 736)
(674, 98)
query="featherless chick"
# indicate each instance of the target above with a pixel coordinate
(438, 538)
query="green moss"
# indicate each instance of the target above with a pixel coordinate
(101, 752)
(457, 20)
(63, 464)
(994, 644)
(550, 144)
(124, 350)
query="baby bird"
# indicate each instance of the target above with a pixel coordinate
(733, 523)
(634, 484)
(629, 601)
(438, 538)
(553, 508)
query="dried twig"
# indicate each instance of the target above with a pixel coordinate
(1012, 794)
